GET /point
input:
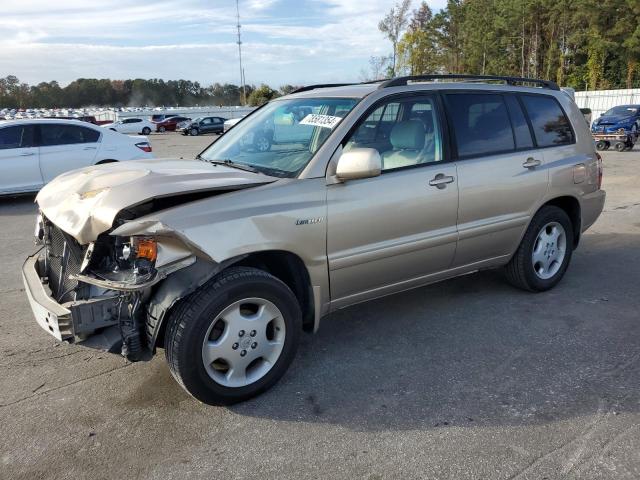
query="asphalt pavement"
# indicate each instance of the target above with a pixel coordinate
(466, 379)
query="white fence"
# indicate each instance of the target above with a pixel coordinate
(191, 112)
(599, 101)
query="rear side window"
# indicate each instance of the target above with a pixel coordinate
(481, 124)
(519, 122)
(16, 137)
(550, 125)
(66, 135)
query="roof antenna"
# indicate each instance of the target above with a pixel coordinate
(243, 99)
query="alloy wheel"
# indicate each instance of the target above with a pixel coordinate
(549, 250)
(243, 342)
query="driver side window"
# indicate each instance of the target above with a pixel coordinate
(405, 132)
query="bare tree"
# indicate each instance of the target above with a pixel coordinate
(392, 26)
(378, 69)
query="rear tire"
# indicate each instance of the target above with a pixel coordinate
(540, 262)
(162, 129)
(601, 145)
(209, 331)
(620, 147)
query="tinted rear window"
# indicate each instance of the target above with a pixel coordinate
(550, 125)
(519, 122)
(481, 124)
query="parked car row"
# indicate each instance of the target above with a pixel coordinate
(167, 123)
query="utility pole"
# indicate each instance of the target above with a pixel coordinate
(244, 89)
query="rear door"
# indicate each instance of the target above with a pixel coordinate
(206, 125)
(501, 174)
(19, 168)
(217, 124)
(394, 231)
(131, 125)
(65, 147)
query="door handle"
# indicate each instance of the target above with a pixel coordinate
(27, 154)
(89, 148)
(531, 163)
(440, 181)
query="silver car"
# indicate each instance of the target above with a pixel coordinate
(225, 260)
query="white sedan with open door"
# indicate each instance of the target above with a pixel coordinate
(34, 152)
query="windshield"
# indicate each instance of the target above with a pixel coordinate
(281, 137)
(622, 110)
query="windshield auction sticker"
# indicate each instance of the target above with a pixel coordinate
(326, 121)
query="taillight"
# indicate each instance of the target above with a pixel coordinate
(144, 146)
(599, 157)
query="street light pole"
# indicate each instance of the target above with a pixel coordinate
(243, 99)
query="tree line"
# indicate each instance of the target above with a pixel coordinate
(86, 92)
(584, 44)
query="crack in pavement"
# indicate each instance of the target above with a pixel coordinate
(42, 392)
(585, 434)
(39, 360)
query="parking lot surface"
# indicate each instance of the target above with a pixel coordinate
(465, 379)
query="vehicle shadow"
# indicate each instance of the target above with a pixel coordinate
(17, 205)
(474, 350)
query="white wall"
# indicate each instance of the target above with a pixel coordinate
(193, 112)
(599, 101)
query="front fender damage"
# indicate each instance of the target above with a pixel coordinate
(176, 287)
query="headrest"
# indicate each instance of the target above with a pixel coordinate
(408, 135)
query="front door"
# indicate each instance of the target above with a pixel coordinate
(392, 232)
(19, 168)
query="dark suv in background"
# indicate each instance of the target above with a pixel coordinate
(204, 125)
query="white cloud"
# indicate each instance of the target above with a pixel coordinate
(64, 40)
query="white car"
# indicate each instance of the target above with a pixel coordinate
(230, 123)
(132, 125)
(34, 152)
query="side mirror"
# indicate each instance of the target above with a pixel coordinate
(359, 163)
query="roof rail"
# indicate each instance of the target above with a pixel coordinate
(394, 82)
(321, 85)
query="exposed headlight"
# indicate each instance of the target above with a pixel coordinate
(124, 260)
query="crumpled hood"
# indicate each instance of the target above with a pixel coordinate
(85, 202)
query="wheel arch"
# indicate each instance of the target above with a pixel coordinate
(284, 265)
(571, 207)
(291, 270)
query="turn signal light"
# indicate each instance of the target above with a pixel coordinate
(147, 248)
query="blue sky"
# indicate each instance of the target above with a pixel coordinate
(284, 41)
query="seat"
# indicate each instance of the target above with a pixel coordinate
(407, 140)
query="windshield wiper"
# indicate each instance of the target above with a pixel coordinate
(232, 164)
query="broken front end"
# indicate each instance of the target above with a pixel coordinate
(99, 294)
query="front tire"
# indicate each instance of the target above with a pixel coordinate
(544, 253)
(146, 131)
(233, 338)
(193, 132)
(162, 129)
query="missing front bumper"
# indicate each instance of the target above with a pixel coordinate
(74, 322)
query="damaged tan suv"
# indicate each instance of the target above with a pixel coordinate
(330, 196)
